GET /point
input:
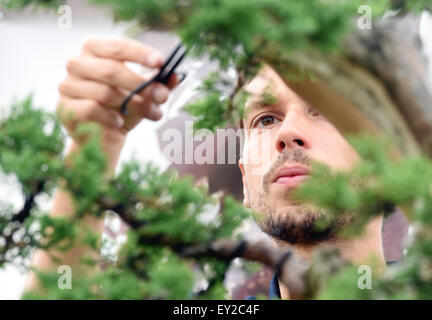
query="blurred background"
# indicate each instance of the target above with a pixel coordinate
(33, 56)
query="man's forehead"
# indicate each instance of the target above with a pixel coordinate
(263, 85)
(265, 89)
(268, 89)
(265, 80)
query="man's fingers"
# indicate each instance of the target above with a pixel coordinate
(112, 97)
(173, 81)
(146, 105)
(111, 72)
(115, 74)
(124, 49)
(87, 89)
(74, 111)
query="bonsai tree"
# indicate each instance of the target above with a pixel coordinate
(169, 241)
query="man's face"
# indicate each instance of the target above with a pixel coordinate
(281, 139)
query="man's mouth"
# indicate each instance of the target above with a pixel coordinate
(291, 177)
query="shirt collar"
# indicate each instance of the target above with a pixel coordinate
(274, 290)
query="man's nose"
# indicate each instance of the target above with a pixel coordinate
(292, 132)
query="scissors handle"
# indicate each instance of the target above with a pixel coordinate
(163, 75)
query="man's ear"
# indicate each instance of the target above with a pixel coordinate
(245, 191)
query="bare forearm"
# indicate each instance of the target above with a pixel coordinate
(63, 207)
(97, 83)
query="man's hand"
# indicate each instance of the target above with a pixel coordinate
(98, 81)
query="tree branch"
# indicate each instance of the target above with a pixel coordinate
(291, 269)
(28, 204)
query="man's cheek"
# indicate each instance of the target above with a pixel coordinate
(259, 152)
(339, 156)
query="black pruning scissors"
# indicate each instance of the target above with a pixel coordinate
(163, 76)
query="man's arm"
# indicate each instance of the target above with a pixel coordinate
(93, 91)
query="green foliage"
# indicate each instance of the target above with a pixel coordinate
(31, 142)
(30, 157)
(20, 4)
(343, 286)
(56, 232)
(379, 183)
(169, 277)
(418, 5)
(167, 215)
(243, 34)
(375, 186)
(213, 108)
(85, 175)
(173, 206)
(222, 25)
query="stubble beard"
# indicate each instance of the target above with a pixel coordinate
(299, 224)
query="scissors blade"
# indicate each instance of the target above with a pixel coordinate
(163, 75)
(171, 64)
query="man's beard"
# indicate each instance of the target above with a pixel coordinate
(299, 224)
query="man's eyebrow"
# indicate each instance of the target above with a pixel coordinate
(257, 102)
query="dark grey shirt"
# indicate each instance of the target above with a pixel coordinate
(274, 290)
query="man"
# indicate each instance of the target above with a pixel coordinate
(296, 133)
(293, 133)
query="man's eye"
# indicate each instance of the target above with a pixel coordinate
(266, 121)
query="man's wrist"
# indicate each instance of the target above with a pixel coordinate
(112, 144)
